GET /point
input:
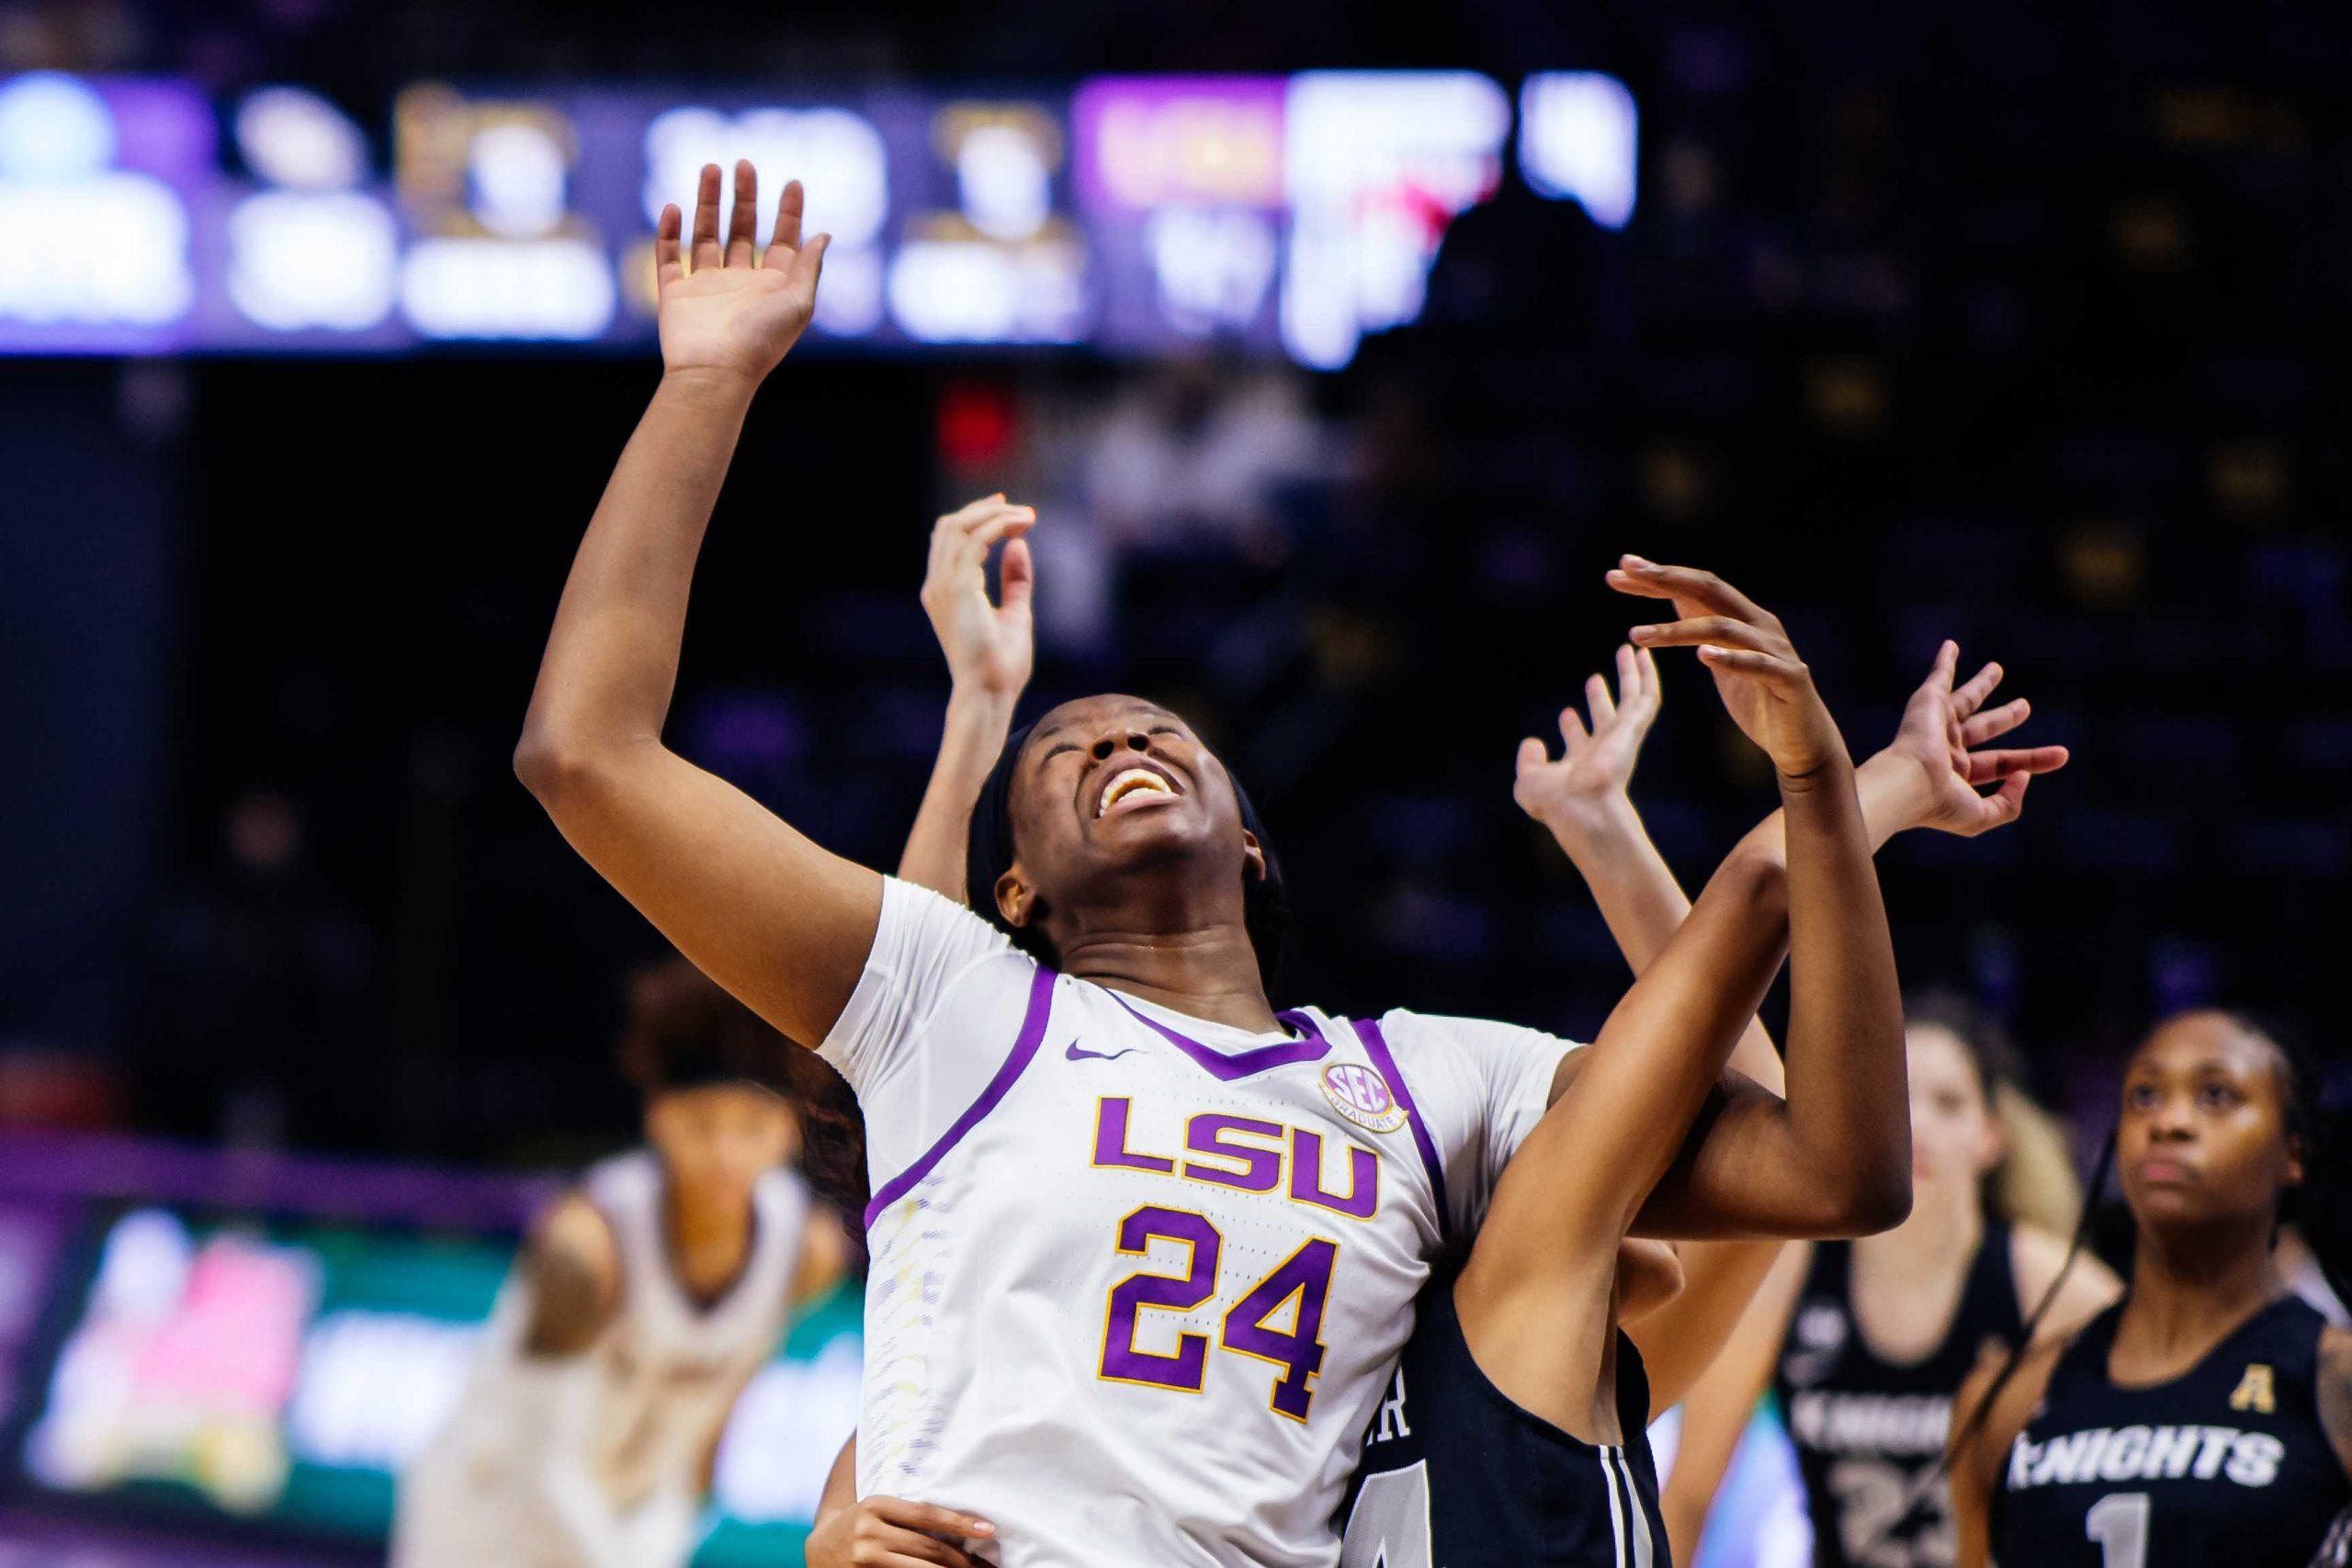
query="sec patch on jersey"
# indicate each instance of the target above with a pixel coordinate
(1363, 1096)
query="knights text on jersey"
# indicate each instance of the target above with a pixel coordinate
(1870, 1432)
(1456, 1475)
(1138, 1279)
(2227, 1464)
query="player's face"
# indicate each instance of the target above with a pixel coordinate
(1111, 786)
(716, 1141)
(2203, 1135)
(1954, 1136)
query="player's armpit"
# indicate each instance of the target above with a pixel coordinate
(573, 1274)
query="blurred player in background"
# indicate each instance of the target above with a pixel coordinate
(644, 1301)
(2206, 1417)
(1866, 1342)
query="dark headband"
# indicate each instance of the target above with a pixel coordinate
(989, 855)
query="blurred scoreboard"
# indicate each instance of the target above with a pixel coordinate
(1137, 215)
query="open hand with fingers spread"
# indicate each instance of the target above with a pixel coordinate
(725, 307)
(1578, 795)
(1943, 737)
(1767, 687)
(989, 645)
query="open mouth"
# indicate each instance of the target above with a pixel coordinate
(1135, 787)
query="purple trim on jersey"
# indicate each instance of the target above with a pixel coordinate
(1310, 1046)
(1376, 1045)
(1032, 1032)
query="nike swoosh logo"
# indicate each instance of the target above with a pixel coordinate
(1075, 1054)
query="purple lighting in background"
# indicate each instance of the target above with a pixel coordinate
(1135, 214)
(1149, 141)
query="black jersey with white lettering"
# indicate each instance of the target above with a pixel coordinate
(2226, 1464)
(1870, 1432)
(1455, 1474)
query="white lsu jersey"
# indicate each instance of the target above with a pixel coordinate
(1138, 1279)
(595, 1461)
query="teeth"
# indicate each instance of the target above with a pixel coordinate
(1128, 783)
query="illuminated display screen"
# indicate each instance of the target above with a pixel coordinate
(284, 1374)
(1268, 214)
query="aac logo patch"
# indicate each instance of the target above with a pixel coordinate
(1362, 1096)
(2255, 1391)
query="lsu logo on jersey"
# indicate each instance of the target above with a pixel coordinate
(2255, 1391)
(1361, 1095)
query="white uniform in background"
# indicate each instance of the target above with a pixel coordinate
(595, 1461)
(1139, 1281)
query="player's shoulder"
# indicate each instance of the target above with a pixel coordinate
(1407, 1029)
(913, 903)
(575, 1225)
(572, 1266)
(2041, 1260)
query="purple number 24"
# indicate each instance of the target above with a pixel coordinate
(1298, 1350)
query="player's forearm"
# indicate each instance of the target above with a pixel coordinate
(1847, 1108)
(1644, 905)
(1893, 796)
(970, 744)
(1631, 883)
(611, 659)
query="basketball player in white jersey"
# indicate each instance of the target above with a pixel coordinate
(647, 1297)
(1142, 1247)
(1583, 798)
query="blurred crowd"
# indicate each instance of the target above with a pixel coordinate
(1988, 327)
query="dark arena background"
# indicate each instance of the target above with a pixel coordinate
(1340, 350)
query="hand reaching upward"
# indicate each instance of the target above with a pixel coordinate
(1943, 732)
(1589, 780)
(988, 646)
(1767, 687)
(732, 310)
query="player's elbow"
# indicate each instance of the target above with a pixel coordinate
(557, 767)
(1874, 1198)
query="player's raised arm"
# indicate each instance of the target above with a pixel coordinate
(780, 922)
(1816, 1162)
(1584, 798)
(1573, 1188)
(990, 646)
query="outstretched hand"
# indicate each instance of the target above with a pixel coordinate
(1768, 688)
(724, 307)
(1944, 731)
(1590, 778)
(989, 645)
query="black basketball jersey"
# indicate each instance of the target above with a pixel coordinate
(1456, 1475)
(1869, 1432)
(2227, 1464)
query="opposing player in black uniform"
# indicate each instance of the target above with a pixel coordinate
(1865, 1343)
(1516, 1434)
(1499, 1445)
(2207, 1418)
